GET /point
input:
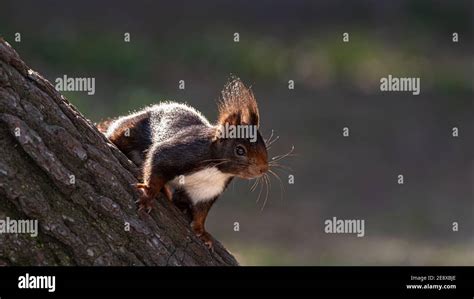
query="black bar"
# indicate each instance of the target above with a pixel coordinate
(264, 282)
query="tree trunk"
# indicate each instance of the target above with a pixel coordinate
(57, 168)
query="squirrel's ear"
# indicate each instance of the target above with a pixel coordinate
(230, 118)
(238, 105)
(226, 119)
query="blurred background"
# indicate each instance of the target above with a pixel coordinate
(336, 85)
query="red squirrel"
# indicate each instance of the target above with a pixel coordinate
(188, 159)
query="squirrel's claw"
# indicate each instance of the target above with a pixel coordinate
(145, 203)
(207, 239)
(210, 246)
(147, 206)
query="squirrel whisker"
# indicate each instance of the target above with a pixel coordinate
(282, 188)
(214, 160)
(261, 189)
(254, 186)
(279, 157)
(224, 160)
(266, 180)
(272, 142)
(221, 163)
(269, 139)
(280, 166)
(285, 156)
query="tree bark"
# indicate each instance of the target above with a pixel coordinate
(57, 168)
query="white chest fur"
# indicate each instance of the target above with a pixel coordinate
(202, 185)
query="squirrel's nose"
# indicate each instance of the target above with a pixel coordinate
(264, 168)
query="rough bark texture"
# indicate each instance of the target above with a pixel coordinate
(44, 143)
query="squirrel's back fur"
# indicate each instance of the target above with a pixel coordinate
(167, 119)
(135, 133)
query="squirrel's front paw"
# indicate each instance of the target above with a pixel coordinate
(145, 202)
(207, 239)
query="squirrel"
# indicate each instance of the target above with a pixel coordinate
(188, 159)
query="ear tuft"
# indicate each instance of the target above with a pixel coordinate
(238, 105)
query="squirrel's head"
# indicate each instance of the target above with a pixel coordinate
(238, 143)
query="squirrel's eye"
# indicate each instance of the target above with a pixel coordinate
(240, 150)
